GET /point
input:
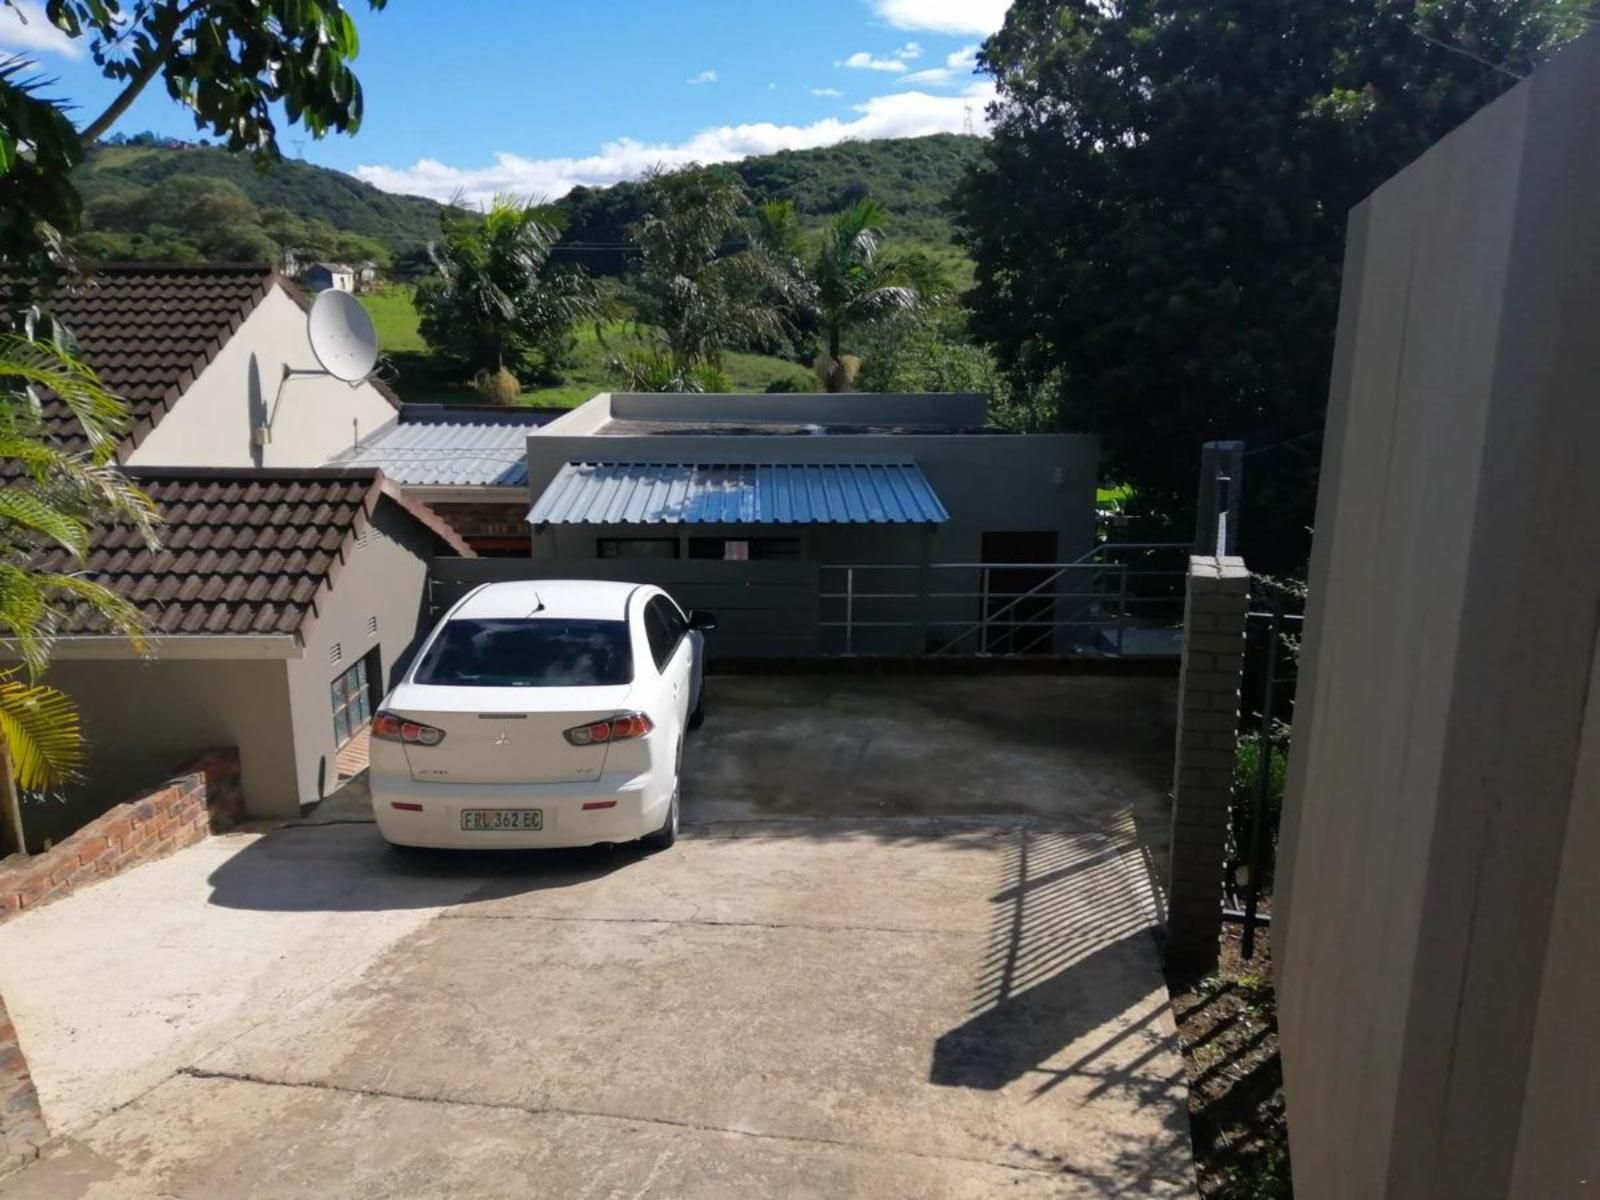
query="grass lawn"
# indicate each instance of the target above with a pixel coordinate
(396, 320)
(423, 380)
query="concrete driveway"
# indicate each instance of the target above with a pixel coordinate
(904, 950)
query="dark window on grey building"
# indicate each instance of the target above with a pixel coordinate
(636, 548)
(766, 549)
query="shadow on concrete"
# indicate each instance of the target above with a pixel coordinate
(1069, 995)
(350, 868)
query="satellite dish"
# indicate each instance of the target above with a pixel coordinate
(342, 336)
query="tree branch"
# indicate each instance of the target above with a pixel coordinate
(96, 129)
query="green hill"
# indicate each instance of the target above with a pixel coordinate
(158, 199)
(913, 178)
(115, 178)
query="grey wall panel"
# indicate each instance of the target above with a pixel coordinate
(1455, 595)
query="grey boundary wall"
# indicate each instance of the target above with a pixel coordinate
(1437, 909)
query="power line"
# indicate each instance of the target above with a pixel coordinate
(1286, 442)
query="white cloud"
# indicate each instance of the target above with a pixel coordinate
(944, 16)
(903, 114)
(862, 61)
(832, 93)
(893, 63)
(24, 27)
(704, 77)
(958, 68)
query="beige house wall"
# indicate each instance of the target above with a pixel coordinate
(143, 718)
(385, 580)
(317, 416)
(1436, 919)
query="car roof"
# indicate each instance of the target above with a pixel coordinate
(591, 599)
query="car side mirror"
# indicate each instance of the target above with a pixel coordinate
(703, 621)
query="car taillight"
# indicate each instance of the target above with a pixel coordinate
(618, 729)
(397, 729)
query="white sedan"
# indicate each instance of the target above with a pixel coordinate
(544, 713)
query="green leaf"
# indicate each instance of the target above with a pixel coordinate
(41, 729)
(27, 510)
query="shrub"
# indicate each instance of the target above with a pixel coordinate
(709, 378)
(1246, 782)
(497, 387)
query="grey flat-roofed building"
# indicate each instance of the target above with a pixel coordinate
(899, 495)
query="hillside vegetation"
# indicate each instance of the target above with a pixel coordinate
(134, 196)
(913, 178)
(157, 200)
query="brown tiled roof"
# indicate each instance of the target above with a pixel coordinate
(245, 552)
(149, 330)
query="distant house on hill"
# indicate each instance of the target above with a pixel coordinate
(366, 275)
(325, 276)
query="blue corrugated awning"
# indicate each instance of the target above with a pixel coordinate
(586, 493)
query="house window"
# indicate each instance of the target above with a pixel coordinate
(767, 549)
(636, 548)
(352, 703)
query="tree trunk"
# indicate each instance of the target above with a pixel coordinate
(11, 838)
(835, 367)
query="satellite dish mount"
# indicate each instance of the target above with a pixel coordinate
(345, 345)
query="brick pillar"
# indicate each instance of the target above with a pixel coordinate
(22, 1129)
(1208, 729)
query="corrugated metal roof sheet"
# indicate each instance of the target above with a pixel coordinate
(586, 493)
(448, 453)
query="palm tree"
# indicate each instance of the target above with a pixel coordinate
(497, 299)
(853, 285)
(703, 288)
(52, 498)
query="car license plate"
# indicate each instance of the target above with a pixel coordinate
(501, 820)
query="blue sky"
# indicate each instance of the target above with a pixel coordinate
(479, 96)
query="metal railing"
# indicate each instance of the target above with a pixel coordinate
(1090, 606)
(1271, 673)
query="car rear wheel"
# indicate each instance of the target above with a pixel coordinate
(664, 837)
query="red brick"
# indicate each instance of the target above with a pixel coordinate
(31, 890)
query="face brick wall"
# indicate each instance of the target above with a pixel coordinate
(204, 796)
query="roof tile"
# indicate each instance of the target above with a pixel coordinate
(143, 328)
(148, 330)
(233, 560)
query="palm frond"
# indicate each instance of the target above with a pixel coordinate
(882, 302)
(26, 510)
(41, 729)
(27, 363)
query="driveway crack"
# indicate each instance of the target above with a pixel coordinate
(714, 923)
(552, 1110)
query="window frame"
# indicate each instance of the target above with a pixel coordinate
(345, 701)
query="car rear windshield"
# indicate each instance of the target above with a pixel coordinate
(528, 653)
